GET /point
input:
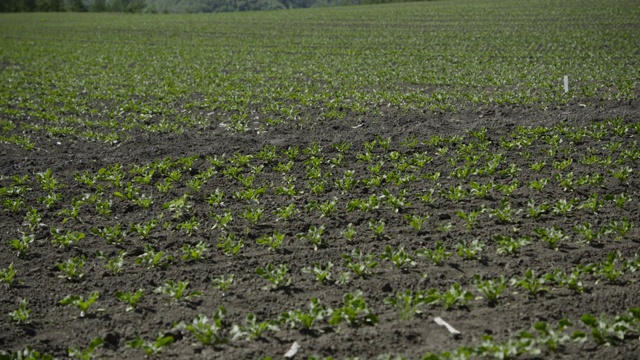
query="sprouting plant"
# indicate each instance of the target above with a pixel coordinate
(622, 174)
(305, 320)
(481, 190)
(47, 181)
(350, 232)
(14, 205)
(314, 235)
(228, 244)
(151, 348)
(538, 184)
(455, 296)
(79, 302)
(619, 200)
(606, 331)
(152, 259)
(538, 166)
(32, 219)
(194, 252)
(177, 290)
(321, 272)
(355, 311)
(178, 206)
(347, 182)
(398, 202)
(469, 250)
(360, 264)
(619, 229)
(144, 229)
(552, 236)
(456, 193)
(88, 353)
(22, 245)
(286, 212)
(272, 241)
(222, 221)
(491, 289)
(7, 275)
(427, 198)
(508, 189)
(72, 268)
(130, 298)
(215, 198)
(377, 227)
(562, 207)
(22, 314)
(253, 215)
(531, 282)
(444, 227)
(253, 329)
(67, 238)
(369, 204)
(509, 245)
(550, 337)
(189, 226)
(416, 221)
(208, 331)
(572, 280)
(608, 269)
(592, 204)
(223, 283)
(276, 275)
(470, 218)
(114, 264)
(400, 258)
(407, 303)
(536, 211)
(437, 255)
(587, 231)
(112, 234)
(504, 213)
(50, 199)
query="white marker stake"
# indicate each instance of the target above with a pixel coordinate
(566, 84)
(441, 322)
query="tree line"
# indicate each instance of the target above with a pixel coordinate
(172, 6)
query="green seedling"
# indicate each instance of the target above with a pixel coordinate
(22, 245)
(276, 275)
(400, 258)
(114, 264)
(551, 236)
(194, 252)
(491, 289)
(253, 329)
(153, 259)
(131, 299)
(407, 303)
(322, 273)
(587, 231)
(7, 275)
(305, 320)
(190, 226)
(313, 235)
(208, 331)
(273, 242)
(223, 283)
(350, 232)
(469, 250)
(88, 353)
(79, 302)
(151, 348)
(437, 255)
(471, 218)
(72, 268)
(177, 291)
(360, 264)
(378, 228)
(286, 212)
(144, 229)
(65, 239)
(228, 244)
(354, 311)
(510, 246)
(215, 198)
(111, 234)
(252, 215)
(22, 314)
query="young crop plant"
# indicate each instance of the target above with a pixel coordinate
(407, 303)
(223, 283)
(72, 268)
(130, 298)
(195, 252)
(397, 203)
(189, 226)
(378, 228)
(79, 302)
(215, 198)
(437, 255)
(471, 218)
(114, 264)
(360, 264)
(47, 181)
(208, 331)
(88, 353)
(322, 273)
(504, 213)
(507, 190)
(32, 219)
(178, 206)
(222, 221)
(7, 275)
(622, 174)
(416, 221)
(347, 182)
(22, 314)
(367, 205)
(551, 236)
(481, 191)
(21, 245)
(273, 241)
(177, 291)
(510, 246)
(455, 296)
(620, 200)
(73, 212)
(618, 229)
(400, 258)
(606, 331)
(587, 231)
(252, 215)
(50, 199)
(350, 233)
(562, 207)
(151, 348)
(65, 239)
(536, 211)
(305, 320)
(531, 282)
(592, 204)
(286, 212)
(469, 250)
(572, 280)
(228, 244)
(276, 275)
(608, 269)
(355, 311)
(152, 259)
(455, 194)
(491, 289)
(254, 329)
(313, 235)
(111, 234)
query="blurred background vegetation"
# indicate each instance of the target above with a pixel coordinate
(173, 6)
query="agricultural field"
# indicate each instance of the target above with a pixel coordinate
(374, 182)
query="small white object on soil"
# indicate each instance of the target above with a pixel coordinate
(439, 321)
(292, 352)
(566, 84)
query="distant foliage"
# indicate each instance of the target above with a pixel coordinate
(174, 6)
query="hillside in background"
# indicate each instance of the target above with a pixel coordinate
(173, 6)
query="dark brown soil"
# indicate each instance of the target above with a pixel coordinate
(54, 328)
